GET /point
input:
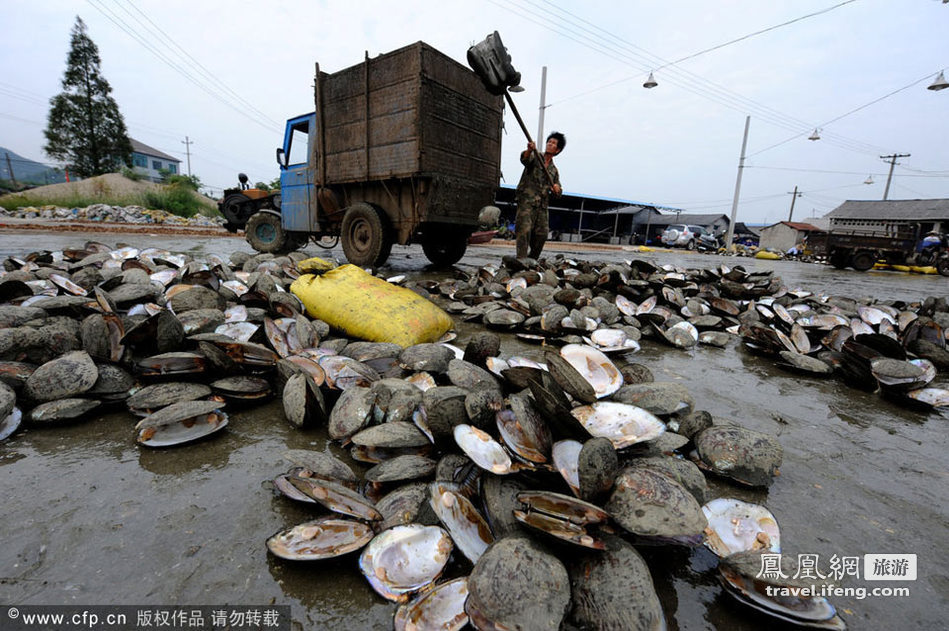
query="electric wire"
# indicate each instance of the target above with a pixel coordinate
(197, 64)
(644, 60)
(622, 57)
(124, 26)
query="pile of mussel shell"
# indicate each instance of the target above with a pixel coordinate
(478, 466)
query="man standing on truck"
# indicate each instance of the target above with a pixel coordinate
(533, 191)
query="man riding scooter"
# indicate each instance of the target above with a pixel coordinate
(933, 250)
(930, 247)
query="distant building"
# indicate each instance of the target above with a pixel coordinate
(881, 216)
(785, 235)
(149, 161)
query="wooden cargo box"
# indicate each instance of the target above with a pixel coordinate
(413, 112)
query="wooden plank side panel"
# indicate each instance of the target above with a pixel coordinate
(445, 71)
(428, 114)
(455, 200)
(461, 122)
(393, 119)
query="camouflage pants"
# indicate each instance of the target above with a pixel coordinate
(532, 227)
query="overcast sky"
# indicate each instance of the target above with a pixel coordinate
(251, 67)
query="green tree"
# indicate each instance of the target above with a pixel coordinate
(177, 179)
(85, 129)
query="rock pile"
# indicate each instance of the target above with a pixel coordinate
(112, 214)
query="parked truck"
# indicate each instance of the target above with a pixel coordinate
(401, 148)
(860, 249)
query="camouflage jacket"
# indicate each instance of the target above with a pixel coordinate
(533, 184)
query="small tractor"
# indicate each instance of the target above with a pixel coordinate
(238, 204)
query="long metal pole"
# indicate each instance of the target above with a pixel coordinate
(741, 167)
(794, 196)
(543, 104)
(520, 121)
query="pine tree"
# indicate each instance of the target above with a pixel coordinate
(84, 128)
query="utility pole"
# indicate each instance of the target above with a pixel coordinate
(543, 105)
(892, 160)
(10, 167)
(187, 142)
(741, 167)
(794, 197)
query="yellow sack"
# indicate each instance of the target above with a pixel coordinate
(314, 265)
(369, 308)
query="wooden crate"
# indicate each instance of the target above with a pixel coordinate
(428, 116)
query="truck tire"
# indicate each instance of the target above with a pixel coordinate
(446, 248)
(691, 244)
(365, 235)
(264, 233)
(863, 260)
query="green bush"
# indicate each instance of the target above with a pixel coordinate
(177, 199)
(132, 174)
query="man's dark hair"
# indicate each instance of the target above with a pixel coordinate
(560, 138)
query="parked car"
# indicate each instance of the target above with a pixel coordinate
(680, 235)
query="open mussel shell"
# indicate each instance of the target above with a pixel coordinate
(10, 423)
(322, 464)
(561, 516)
(322, 538)
(566, 459)
(468, 528)
(622, 424)
(405, 559)
(181, 423)
(737, 526)
(739, 574)
(524, 432)
(285, 487)
(336, 497)
(595, 368)
(902, 375)
(156, 396)
(483, 450)
(243, 388)
(442, 607)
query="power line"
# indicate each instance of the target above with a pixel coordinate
(129, 30)
(204, 71)
(630, 55)
(713, 48)
(853, 111)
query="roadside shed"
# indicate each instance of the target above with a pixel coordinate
(785, 235)
(889, 215)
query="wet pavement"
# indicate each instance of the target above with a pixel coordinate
(90, 518)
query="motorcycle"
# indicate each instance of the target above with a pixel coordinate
(708, 243)
(935, 254)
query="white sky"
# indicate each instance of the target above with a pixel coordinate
(675, 145)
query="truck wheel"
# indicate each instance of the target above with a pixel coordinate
(839, 259)
(265, 234)
(365, 235)
(444, 250)
(691, 244)
(863, 260)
